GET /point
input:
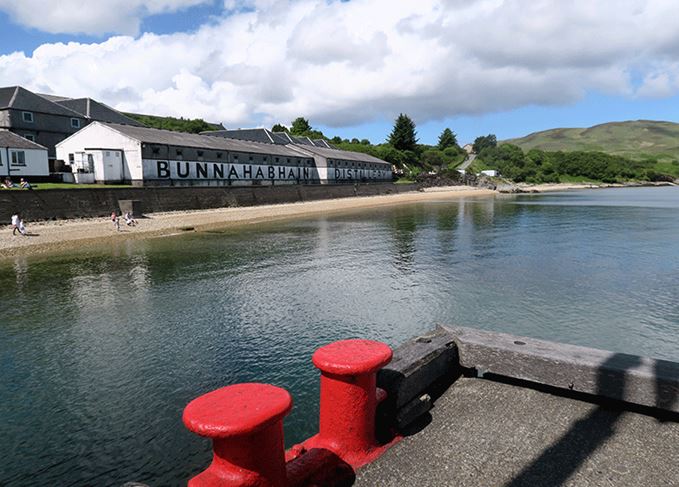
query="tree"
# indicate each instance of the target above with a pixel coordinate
(279, 128)
(403, 137)
(447, 139)
(433, 158)
(484, 142)
(300, 126)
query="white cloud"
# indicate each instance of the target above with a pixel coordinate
(342, 63)
(90, 17)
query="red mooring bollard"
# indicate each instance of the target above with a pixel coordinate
(349, 397)
(245, 422)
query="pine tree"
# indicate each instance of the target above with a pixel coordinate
(300, 126)
(279, 128)
(447, 139)
(403, 137)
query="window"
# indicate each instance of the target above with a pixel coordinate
(75, 123)
(71, 159)
(30, 137)
(108, 153)
(18, 158)
(155, 150)
(277, 159)
(200, 153)
(219, 155)
(250, 157)
(179, 152)
(27, 117)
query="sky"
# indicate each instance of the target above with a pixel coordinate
(508, 67)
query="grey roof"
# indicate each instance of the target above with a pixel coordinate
(318, 147)
(322, 143)
(281, 138)
(168, 137)
(342, 154)
(54, 98)
(14, 141)
(301, 140)
(21, 99)
(261, 135)
(98, 111)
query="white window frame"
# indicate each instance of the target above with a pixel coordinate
(30, 137)
(17, 158)
(29, 119)
(75, 123)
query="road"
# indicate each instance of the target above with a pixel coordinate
(467, 162)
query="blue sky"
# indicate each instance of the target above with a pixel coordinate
(352, 67)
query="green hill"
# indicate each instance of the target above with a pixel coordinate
(640, 139)
(177, 124)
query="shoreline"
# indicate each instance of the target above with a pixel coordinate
(61, 235)
(524, 188)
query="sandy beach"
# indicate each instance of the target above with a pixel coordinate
(60, 235)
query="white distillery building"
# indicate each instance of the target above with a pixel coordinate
(334, 165)
(111, 153)
(21, 158)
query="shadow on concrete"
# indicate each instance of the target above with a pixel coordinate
(666, 390)
(390, 419)
(558, 462)
(320, 467)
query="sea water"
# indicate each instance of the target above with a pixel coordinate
(101, 349)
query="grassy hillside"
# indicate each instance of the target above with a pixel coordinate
(640, 139)
(177, 124)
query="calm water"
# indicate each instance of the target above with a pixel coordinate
(100, 351)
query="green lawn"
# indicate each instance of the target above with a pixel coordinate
(41, 186)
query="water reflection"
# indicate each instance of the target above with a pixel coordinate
(105, 348)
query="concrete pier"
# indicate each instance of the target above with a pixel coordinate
(506, 419)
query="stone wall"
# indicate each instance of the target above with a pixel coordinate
(79, 203)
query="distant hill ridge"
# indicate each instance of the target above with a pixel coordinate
(636, 139)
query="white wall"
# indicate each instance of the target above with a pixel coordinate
(36, 163)
(99, 136)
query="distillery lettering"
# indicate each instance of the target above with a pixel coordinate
(158, 169)
(204, 170)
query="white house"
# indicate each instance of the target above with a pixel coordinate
(490, 173)
(20, 157)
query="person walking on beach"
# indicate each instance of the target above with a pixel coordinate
(22, 228)
(115, 220)
(15, 223)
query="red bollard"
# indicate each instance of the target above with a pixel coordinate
(245, 422)
(349, 397)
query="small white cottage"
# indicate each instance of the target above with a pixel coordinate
(21, 158)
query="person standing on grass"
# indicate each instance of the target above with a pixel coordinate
(15, 223)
